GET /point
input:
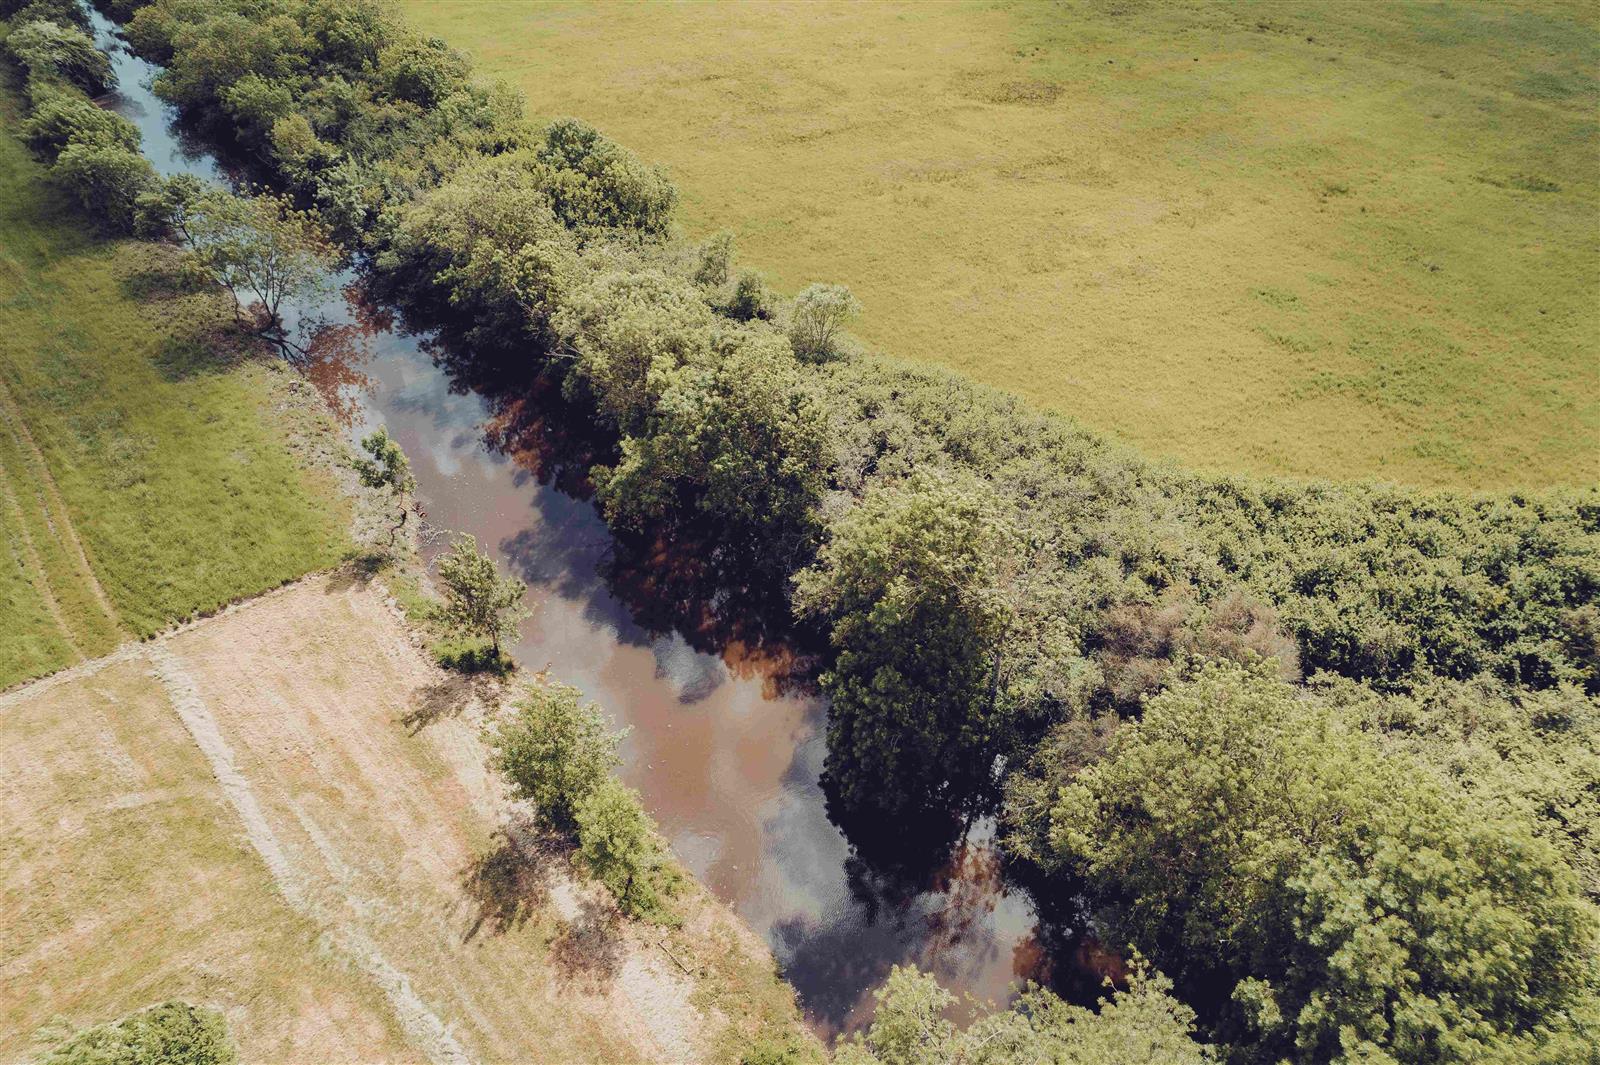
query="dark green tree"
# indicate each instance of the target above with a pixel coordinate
(910, 588)
(1356, 907)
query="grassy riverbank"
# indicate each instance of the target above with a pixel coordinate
(1342, 240)
(144, 474)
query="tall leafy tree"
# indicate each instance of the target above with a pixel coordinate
(739, 440)
(265, 253)
(555, 750)
(617, 841)
(909, 586)
(818, 316)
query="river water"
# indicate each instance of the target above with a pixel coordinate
(726, 761)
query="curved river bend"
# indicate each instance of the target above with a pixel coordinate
(727, 764)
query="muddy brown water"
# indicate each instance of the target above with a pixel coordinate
(726, 761)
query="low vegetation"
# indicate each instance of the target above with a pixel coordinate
(174, 1033)
(1019, 617)
(377, 838)
(1317, 239)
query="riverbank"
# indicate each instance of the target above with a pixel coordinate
(209, 814)
(148, 466)
(284, 812)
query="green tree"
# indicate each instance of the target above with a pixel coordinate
(1140, 1024)
(816, 318)
(265, 253)
(386, 468)
(555, 750)
(1358, 907)
(740, 441)
(486, 247)
(910, 585)
(63, 118)
(751, 300)
(593, 181)
(53, 51)
(627, 330)
(477, 600)
(617, 841)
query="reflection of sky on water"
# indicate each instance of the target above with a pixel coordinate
(730, 770)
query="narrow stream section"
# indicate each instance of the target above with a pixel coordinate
(727, 764)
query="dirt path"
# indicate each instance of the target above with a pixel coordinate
(420, 1023)
(308, 704)
(351, 773)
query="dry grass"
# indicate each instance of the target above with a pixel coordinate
(126, 882)
(1337, 239)
(129, 876)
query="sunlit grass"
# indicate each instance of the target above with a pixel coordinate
(1329, 239)
(131, 451)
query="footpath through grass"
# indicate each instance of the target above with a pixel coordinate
(144, 474)
(1316, 239)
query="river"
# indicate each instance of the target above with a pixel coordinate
(726, 761)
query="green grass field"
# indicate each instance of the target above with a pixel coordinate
(1317, 239)
(140, 481)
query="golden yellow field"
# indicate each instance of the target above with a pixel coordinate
(1341, 239)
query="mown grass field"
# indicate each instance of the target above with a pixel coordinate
(1316, 239)
(130, 873)
(144, 474)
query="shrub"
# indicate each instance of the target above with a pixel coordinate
(815, 320)
(421, 72)
(593, 181)
(64, 118)
(173, 1033)
(106, 181)
(52, 51)
(617, 841)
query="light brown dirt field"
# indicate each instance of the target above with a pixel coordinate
(284, 811)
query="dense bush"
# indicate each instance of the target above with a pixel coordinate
(1350, 904)
(106, 181)
(593, 181)
(1142, 1023)
(173, 1033)
(51, 51)
(93, 154)
(64, 118)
